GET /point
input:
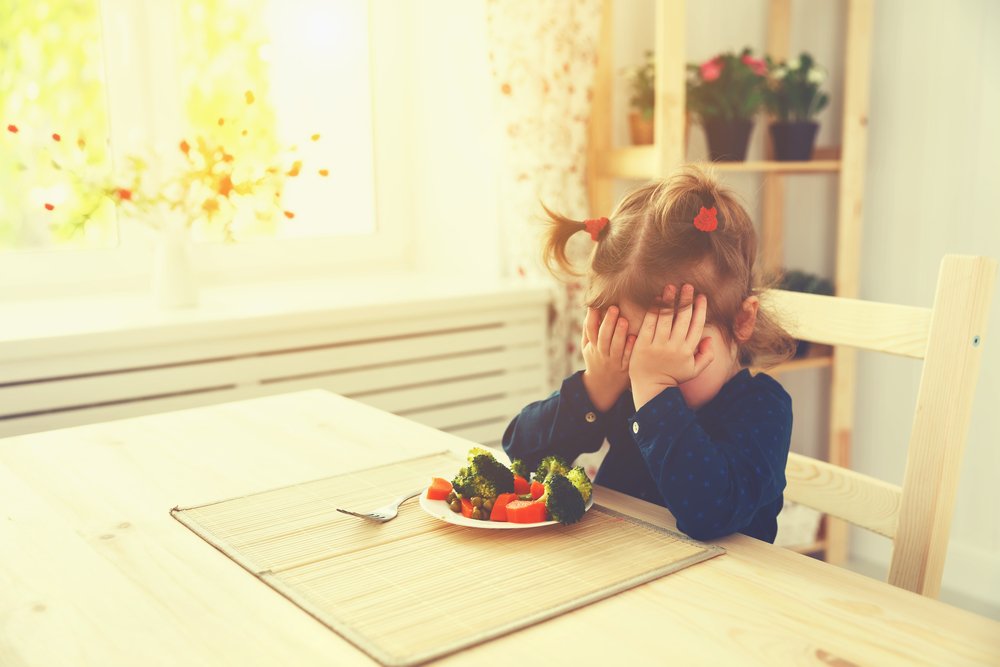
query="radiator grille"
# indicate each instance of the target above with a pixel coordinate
(466, 373)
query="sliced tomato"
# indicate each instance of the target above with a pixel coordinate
(537, 490)
(466, 508)
(521, 486)
(499, 512)
(439, 489)
(523, 511)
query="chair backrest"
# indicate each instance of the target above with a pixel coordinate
(949, 338)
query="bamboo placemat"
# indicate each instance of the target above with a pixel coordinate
(417, 588)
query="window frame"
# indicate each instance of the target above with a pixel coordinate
(138, 50)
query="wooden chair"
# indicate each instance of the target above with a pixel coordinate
(949, 338)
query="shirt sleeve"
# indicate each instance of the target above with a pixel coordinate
(715, 485)
(566, 423)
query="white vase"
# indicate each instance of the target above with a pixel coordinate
(174, 284)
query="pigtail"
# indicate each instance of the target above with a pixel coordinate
(556, 236)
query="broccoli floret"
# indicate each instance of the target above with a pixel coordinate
(563, 501)
(518, 468)
(550, 465)
(479, 451)
(578, 476)
(494, 473)
(484, 477)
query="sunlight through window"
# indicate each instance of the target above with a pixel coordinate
(267, 81)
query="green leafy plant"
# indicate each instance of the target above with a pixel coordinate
(641, 83)
(793, 90)
(728, 87)
(795, 280)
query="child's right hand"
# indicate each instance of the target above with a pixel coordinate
(607, 349)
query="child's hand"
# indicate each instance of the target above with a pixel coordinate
(669, 349)
(606, 353)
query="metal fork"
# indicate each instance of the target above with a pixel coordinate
(387, 513)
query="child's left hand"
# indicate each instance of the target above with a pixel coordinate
(669, 349)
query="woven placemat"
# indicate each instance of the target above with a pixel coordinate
(417, 588)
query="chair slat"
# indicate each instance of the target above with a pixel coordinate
(843, 493)
(882, 327)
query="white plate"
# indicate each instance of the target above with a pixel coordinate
(439, 510)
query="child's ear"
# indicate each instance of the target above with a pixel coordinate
(747, 319)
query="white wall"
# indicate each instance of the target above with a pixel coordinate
(452, 140)
(933, 175)
(933, 170)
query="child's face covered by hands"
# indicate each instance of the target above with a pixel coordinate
(675, 347)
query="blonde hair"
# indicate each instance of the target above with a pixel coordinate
(651, 240)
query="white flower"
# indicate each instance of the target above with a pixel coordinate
(780, 73)
(816, 75)
(794, 64)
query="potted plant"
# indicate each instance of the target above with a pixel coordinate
(796, 280)
(641, 100)
(793, 97)
(724, 93)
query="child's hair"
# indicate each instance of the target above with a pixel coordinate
(651, 240)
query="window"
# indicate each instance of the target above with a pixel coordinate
(55, 131)
(285, 81)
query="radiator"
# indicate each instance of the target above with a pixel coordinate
(465, 370)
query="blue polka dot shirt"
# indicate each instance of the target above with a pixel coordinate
(719, 469)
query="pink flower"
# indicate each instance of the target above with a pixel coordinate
(756, 65)
(711, 69)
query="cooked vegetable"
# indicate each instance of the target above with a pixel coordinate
(549, 465)
(466, 507)
(499, 512)
(537, 490)
(581, 480)
(479, 451)
(521, 485)
(484, 477)
(562, 499)
(523, 511)
(518, 468)
(439, 489)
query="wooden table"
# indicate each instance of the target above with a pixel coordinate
(94, 571)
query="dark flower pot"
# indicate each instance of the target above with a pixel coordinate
(728, 139)
(794, 141)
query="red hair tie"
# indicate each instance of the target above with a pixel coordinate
(595, 226)
(706, 220)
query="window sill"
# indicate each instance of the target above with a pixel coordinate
(51, 327)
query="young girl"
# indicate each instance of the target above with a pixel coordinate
(673, 323)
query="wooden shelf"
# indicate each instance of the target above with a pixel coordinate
(845, 160)
(639, 162)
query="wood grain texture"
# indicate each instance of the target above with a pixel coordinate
(891, 328)
(941, 421)
(841, 492)
(96, 572)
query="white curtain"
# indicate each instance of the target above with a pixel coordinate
(543, 56)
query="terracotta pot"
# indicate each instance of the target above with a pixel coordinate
(640, 128)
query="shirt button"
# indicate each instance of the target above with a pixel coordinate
(635, 427)
(590, 417)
